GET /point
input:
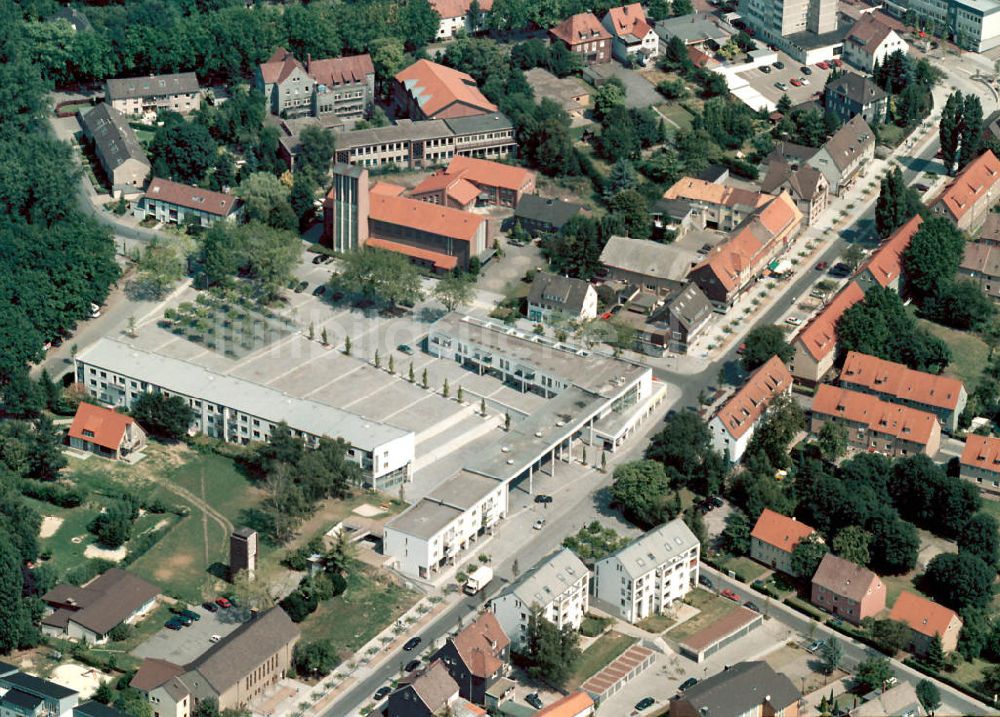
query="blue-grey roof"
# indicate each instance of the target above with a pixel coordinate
(96, 709)
(114, 140)
(22, 700)
(36, 686)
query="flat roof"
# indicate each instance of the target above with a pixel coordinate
(733, 621)
(406, 131)
(425, 519)
(811, 41)
(464, 489)
(490, 122)
(252, 398)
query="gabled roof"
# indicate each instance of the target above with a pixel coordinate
(21, 700)
(780, 531)
(549, 289)
(850, 142)
(742, 689)
(454, 186)
(981, 452)
(555, 211)
(648, 258)
(844, 578)
(572, 705)
(694, 28)
(189, 197)
(99, 425)
(856, 88)
(114, 139)
(654, 548)
(819, 337)
(434, 686)
(335, 71)
(181, 83)
(582, 27)
(629, 20)
(449, 9)
(92, 708)
(923, 615)
(279, 66)
(435, 87)
(976, 180)
(868, 33)
(491, 174)
(886, 264)
(804, 182)
(550, 578)
(690, 306)
(981, 258)
(700, 190)
(900, 381)
(748, 404)
(877, 415)
(37, 686)
(480, 644)
(106, 601)
(154, 672)
(423, 216)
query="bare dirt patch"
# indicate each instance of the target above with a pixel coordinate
(173, 564)
(81, 678)
(367, 510)
(50, 524)
(115, 556)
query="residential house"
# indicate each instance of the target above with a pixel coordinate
(720, 206)
(558, 586)
(655, 267)
(943, 396)
(497, 184)
(633, 38)
(426, 90)
(816, 344)
(122, 158)
(92, 708)
(648, 575)
(774, 537)
(24, 695)
(455, 16)
(575, 704)
(554, 296)
(747, 689)
(870, 41)
(151, 94)
(585, 35)
(246, 663)
(846, 155)
(698, 30)
(794, 154)
(476, 657)
(972, 194)
(337, 86)
(874, 425)
(806, 185)
(898, 701)
(89, 613)
(105, 432)
(849, 591)
(733, 266)
(980, 463)
(926, 619)
(173, 203)
(981, 264)
(541, 215)
(570, 93)
(733, 425)
(885, 266)
(687, 314)
(851, 95)
(429, 692)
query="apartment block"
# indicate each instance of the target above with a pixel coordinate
(717, 206)
(816, 344)
(967, 201)
(774, 537)
(885, 266)
(733, 426)
(174, 203)
(972, 24)
(148, 95)
(584, 34)
(980, 463)
(849, 591)
(337, 86)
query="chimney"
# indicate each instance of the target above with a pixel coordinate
(309, 59)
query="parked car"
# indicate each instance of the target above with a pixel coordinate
(751, 606)
(210, 606)
(215, 638)
(223, 603)
(918, 187)
(381, 693)
(823, 65)
(796, 82)
(794, 321)
(806, 70)
(184, 620)
(814, 646)
(534, 700)
(688, 683)
(173, 624)
(837, 62)
(319, 290)
(405, 348)
(318, 259)
(412, 665)
(539, 524)
(779, 65)
(766, 69)
(190, 614)
(804, 81)
(645, 703)
(730, 595)
(411, 644)
(781, 86)
(95, 311)
(822, 266)
(702, 580)
(542, 498)
(301, 286)
(716, 501)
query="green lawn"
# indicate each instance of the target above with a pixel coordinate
(598, 656)
(66, 554)
(747, 569)
(969, 353)
(217, 481)
(656, 623)
(677, 115)
(894, 585)
(712, 608)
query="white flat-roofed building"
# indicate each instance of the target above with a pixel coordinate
(649, 574)
(239, 411)
(558, 586)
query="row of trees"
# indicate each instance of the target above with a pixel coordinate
(908, 82)
(960, 130)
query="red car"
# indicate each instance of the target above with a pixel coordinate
(823, 65)
(727, 593)
(223, 603)
(822, 266)
(796, 82)
(837, 62)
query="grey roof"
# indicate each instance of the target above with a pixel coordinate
(434, 686)
(714, 173)
(649, 258)
(803, 182)
(245, 649)
(36, 686)
(676, 209)
(490, 122)
(549, 579)
(543, 209)
(16, 698)
(181, 83)
(114, 140)
(7, 669)
(740, 689)
(105, 602)
(563, 90)
(93, 708)
(899, 700)
(244, 532)
(808, 40)
(251, 398)
(790, 151)
(856, 88)
(655, 547)
(556, 292)
(697, 27)
(402, 131)
(690, 306)
(348, 170)
(849, 141)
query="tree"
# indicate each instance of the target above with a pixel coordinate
(806, 556)
(959, 581)
(113, 527)
(929, 696)
(608, 96)
(454, 291)
(763, 342)
(933, 256)
(981, 537)
(103, 693)
(894, 546)
(418, 23)
(896, 203)
(736, 534)
(633, 210)
(959, 304)
(45, 458)
(891, 636)
(642, 489)
(935, 657)
(682, 444)
(551, 653)
(832, 440)
(208, 707)
(15, 622)
(317, 147)
(681, 7)
(873, 673)
(852, 543)
(266, 200)
(972, 129)
(132, 702)
(950, 129)
(377, 275)
(162, 416)
(315, 659)
(782, 422)
(831, 653)
(623, 176)
(160, 268)
(183, 151)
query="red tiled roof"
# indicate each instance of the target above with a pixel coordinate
(455, 187)
(749, 403)
(819, 337)
(886, 264)
(279, 66)
(491, 174)
(981, 452)
(972, 183)
(780, 531)
(922, 615)
(711, 193)
(435, 87)
(425, 217)
(184, 195)
(458, 8)
(902, 382)
(569, 706)
(341, 70)
(582, 27)
(387, 189)
(629, 20)
(844, 578)
(879, 416)
(103, 427)
(154, 672)
(441, 261)
(479, 645)
(869, 32)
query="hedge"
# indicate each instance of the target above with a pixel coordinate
(54, 493)
(950, 681)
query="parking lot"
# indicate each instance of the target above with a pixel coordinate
(766, 82)
(187, 644)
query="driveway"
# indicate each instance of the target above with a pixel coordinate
(187, 644)
(639, 92)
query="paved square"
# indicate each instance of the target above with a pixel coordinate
(187, 644)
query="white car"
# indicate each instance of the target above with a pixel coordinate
(215, 638)
(794, 321)
(803, 80)
(539, 524)
(95, 311)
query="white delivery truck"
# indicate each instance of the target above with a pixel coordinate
(479, 579)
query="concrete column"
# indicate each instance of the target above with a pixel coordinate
(531, 479)
(552, 463)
